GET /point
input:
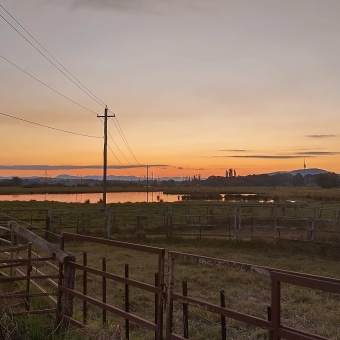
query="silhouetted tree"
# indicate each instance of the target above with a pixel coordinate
(328, 180)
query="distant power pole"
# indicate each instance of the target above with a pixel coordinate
(147, 184)
(105, 154)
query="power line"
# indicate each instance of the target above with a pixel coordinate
(51, 55)
(124, 139)
(49, 127)
(88, 92)
(51, 61)
(119, 161)
(119, 149)
(51, 88)
(119, 130)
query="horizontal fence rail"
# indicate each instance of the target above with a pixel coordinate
(273, 325)
(229, 220)
(104, 275)
(52, 275)
(35, 275)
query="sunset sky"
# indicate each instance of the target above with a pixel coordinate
(197, 86)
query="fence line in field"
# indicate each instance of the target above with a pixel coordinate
(233, 221)
(246, 221)
(68, 288)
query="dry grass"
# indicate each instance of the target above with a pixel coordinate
(308, 310)
(305, 309)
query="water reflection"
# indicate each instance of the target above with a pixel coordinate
(111, 197)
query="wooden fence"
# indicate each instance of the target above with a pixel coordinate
(82, 293)
(70, 287)
(273, 325)
(29, 259)
(233, 221)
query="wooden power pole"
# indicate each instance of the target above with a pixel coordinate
(106, 117)
(147, 184)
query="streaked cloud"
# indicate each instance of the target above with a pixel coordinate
(69, 167)
(308, 149)
(321, 136)
(234, 150)
(319, 153)
(187, 168)
(264, 156)
(111, 4)
(135, 5)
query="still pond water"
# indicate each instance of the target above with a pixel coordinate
(111, 197)
(121, 197)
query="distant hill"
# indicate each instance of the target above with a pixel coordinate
(303, 172)
(66, 177)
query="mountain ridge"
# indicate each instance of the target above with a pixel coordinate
(303, 172)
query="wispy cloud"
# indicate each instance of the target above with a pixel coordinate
(308, 149)
(321, 136)
(234, 150)
(134, 5)
(186, 168)
(318, 153)
(263, 156)
(152, 6)
(69, 167)
(267, 156)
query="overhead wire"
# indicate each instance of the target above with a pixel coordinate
(124, 138)
(86, 91)
(51, 88)
(120, 161)
(51, 62)
(118, 148)
(52, 55)
(49, 127)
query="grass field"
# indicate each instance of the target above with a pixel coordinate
(311, 311)
(283, 193)
(305, 309)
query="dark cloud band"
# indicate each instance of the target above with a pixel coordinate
(319, 153)
(264, 156)
(70, 167)
(321, 136)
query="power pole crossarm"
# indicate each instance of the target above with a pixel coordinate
(106, 117)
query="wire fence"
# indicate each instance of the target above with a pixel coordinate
(231, 221)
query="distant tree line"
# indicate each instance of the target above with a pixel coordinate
(326, 180)
(13, 182)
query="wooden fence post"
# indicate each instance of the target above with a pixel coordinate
(127, 302)
(113, 222)
(48, 228)
(169, 304)
(104, 287)
(84, 288)
(312, 225)
(13, 243)
(185, 311)
(238, 235)
(108, 223)
(166, 223)
(28, 273)
(170, 224)
(68, 282)
(223, 318)
(274, 222)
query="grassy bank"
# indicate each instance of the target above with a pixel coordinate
(308, 310)
(309, 194)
